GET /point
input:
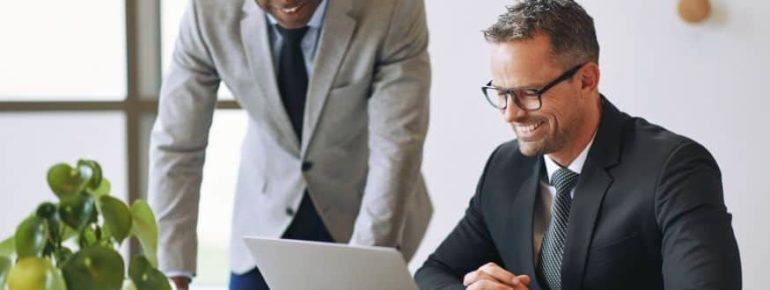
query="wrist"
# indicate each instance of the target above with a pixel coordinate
(181, 282)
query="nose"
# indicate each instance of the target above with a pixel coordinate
(512, 112)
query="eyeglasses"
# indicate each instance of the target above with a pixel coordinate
(526, 99)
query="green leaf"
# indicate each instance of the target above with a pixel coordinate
(34, 273)
(59, 283)
(46, 210)
(66, 181)
(77, 211)
(7, 248)
(145, 229)
(5, 267)
(103, 189)
(50, 212)
(67, 232)
(88, 237)
(145, 276)
(117, 217)
(31, 237)
(94, 268)
(62, 254)
(95, 169)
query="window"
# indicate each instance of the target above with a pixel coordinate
(62, 50)
(32, 142)
(80, 79)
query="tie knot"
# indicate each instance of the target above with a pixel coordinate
(292, 36)
(564, 180)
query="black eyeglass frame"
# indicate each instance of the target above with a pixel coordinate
(518, 95)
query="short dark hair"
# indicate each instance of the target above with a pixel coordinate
(570, 28)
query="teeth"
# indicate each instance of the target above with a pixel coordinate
(292, 9)
(530, 128)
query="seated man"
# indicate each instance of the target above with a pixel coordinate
(587, 197)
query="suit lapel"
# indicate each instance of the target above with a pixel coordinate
(256, 43)
(592, 185)
(518, 204)
(522, 217)
(336, 33)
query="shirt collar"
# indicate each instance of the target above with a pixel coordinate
(576, 166)
(315, 21)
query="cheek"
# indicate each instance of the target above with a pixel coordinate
(562, 111)
(558, 118)
(264, 5)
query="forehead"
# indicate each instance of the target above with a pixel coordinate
(522, 62)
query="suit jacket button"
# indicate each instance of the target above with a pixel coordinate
(306, 166)
(289, 211)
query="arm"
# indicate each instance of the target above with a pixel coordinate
(699, 250)
(398, 122)
(468, 247)
(177, 146)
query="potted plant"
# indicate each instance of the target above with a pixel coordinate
(71, 244)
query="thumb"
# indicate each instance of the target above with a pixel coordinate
(524, 279)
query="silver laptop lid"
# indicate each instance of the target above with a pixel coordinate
(303, 265)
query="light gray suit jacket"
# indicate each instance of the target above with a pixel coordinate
(365, 122)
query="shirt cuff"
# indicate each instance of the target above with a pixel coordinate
(187, 274)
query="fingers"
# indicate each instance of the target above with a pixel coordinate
(488, 285)
(491, 272)
(499, 273)
(524, 279)
(476, 276)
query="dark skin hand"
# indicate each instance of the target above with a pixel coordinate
(182, 283)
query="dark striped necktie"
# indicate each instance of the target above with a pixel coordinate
(549, 268)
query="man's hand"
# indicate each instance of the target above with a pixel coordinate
(182, 283)
(493, 277)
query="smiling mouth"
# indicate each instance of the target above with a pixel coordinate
(530, 127)
(526, 131)
(293, 9)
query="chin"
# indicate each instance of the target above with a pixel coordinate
(529, 149)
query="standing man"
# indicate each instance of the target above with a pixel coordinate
(586, 197)
(336, 93)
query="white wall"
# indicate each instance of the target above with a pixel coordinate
(703, 81)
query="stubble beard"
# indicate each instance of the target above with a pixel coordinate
(549, 144)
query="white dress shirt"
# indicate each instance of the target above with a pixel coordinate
(309, 42)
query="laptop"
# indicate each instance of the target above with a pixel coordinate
(303, 265)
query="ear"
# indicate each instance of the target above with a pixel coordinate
(589, 78)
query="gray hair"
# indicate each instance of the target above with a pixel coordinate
(570, 28)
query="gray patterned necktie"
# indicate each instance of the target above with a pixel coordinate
(549, 268)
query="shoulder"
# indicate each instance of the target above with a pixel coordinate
(211, 10)
(646, 136)
(385, 10)
(659, 147)
(220, 5)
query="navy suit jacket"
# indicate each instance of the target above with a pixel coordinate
(648, 213)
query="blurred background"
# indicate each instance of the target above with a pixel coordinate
(80, 78)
